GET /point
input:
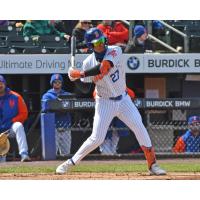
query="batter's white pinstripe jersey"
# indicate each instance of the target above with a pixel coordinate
(114, 83)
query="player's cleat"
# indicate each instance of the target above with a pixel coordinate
(25, 158)
(156, 170)
(64, 167)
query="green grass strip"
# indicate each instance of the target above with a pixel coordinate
(170, 167)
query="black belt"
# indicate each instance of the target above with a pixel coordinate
(118, 98)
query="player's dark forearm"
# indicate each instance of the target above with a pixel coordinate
(95, 70)
(83, 87)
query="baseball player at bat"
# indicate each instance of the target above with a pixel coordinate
(104, 68)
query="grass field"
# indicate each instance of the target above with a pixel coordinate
(100, 167)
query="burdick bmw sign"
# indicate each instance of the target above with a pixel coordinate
(163, 63)
(133, 63)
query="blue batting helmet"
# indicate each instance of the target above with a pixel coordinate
(92, 36)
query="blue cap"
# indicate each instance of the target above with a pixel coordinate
(56, 77)
(139, 30)
(2, 79)
(157, 25)
(193, 119)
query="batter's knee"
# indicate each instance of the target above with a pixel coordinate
(96, 141)
(18, 125)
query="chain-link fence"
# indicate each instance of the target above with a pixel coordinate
(167, 126)
(169, 129)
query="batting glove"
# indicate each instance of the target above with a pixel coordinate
(69, 74)
(75, 74)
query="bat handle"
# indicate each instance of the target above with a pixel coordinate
(72, 61)
(73, 51)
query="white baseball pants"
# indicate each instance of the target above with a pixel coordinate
(105, 111)
(17, 130)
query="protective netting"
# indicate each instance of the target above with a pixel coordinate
(164, 127)
(170, 131)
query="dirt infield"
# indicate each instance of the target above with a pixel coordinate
(95, 176)
(99, 176)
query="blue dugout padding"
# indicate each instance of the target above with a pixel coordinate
(48, 136)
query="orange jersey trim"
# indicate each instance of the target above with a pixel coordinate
(130, 92)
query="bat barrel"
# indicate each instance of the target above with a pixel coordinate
(73, 45)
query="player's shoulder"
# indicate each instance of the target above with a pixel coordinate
(186, 135)
(111, 47)
(114, 48)
(88, 61)
(89, 57)
(13, 93)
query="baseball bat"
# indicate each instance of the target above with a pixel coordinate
(73, 51)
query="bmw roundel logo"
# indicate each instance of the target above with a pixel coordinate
(133, 63)
(138, 103)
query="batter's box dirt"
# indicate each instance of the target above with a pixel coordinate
(99, 176)
(74, 175)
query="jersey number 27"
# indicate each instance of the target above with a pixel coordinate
(115, 76)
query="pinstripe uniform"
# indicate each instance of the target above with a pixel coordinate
(111, 101)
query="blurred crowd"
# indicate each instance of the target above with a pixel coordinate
(54, 36)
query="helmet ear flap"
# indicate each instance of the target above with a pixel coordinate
(90, 46)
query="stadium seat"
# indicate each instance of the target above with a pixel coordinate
(64, 50)
(51, 41)
(8, 50)
(3, 41)
(176, 39)
(4, 50)
(194, 44)
(7, 30)
(192, 29)
(36, 50)
(19, 42)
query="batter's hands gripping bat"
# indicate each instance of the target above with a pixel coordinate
(4, 143)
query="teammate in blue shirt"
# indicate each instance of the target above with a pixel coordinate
(190, 141)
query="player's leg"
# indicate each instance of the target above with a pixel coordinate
(130, 115)
(17, 130)
(104, 112)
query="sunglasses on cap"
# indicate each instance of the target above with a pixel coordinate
(86, 22)
(99, 42)
(57, 82)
